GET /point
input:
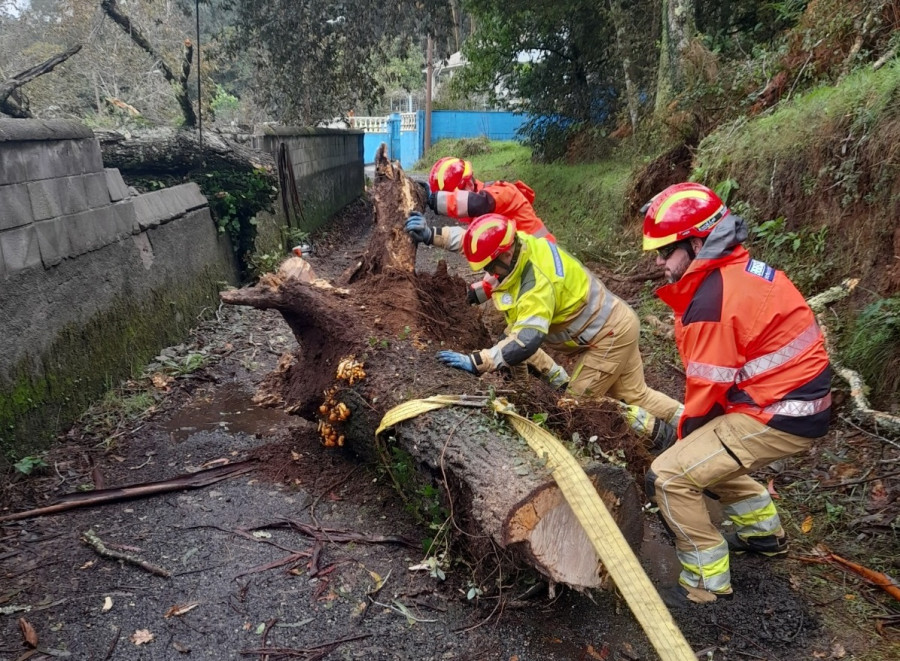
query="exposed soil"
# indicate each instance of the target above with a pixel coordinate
(314, 547)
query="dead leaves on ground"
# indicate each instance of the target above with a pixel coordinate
(180, 609)
(28, 632)
(141, 637)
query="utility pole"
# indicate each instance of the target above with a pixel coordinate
(429, 76)
(199, 97)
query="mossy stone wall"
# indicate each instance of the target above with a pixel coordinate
(94, 279)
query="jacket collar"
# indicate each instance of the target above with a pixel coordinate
(722, 246)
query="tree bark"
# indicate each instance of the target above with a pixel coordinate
(179, 153)
(678, 28)
(500, 494)
(496, 489)
(617, 14)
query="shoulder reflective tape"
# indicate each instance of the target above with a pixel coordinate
(557, 261)
(534, 321)
(792, 349)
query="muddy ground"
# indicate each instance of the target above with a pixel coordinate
(309, 556)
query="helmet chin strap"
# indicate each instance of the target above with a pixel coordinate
(512, 264)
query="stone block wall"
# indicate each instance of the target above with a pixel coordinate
(327, 165)
(94, 279)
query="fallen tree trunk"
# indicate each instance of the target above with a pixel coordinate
(501, 494)
(180, 153)
(347, 374)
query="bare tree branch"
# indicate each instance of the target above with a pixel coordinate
(111, 7)
(16, 108)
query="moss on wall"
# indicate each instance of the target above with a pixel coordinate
(48, 392)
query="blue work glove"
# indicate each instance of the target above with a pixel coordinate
(460, 361)
(418, 229)
(429, 196)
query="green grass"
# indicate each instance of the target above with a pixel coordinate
(581, 204)
(796, 127)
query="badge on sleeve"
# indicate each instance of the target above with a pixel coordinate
(761, 269)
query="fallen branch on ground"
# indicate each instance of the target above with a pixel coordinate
(103, 496)
(876, 578)
(862, 411)
(90, 538)
(308, 653)
(338, 536)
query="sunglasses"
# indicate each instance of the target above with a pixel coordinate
(666, 251)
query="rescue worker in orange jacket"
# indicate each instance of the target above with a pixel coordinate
(758, 386)
(548, 297)
(453, 190)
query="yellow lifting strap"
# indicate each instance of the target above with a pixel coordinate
(611, 546)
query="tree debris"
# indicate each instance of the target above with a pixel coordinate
(28, 632)
(877, 578)
(104, 496)
(308, 653)
(91, 539)
(862, 410)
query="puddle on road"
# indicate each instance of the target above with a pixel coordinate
(230, 410)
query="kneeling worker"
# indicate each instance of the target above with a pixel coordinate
(452, 190)
(758, 386)
(548, 296)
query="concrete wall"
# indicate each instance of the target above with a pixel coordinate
(327, 166)
(94, 280)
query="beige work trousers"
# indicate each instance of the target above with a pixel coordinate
(612, 366)
(716, 457)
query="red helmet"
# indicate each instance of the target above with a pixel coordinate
(679, 212)
(450, 173)
(486, 238)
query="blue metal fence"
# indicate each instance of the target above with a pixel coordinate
(404, 134)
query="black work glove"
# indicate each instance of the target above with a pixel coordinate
(419, 229)
(429, 196)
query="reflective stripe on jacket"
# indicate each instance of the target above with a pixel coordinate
(749, 342)
(549, 291)
(503, 197)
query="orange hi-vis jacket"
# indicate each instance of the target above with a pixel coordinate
(749, 342)
(512, 200)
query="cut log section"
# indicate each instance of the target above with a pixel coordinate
(501, 493)
(345, 378)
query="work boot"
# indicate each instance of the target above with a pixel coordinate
(768, 545)
(684, 596)
(662, 437)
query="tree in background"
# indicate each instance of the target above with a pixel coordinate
(112, 81)
(568, 65)
(319, 59)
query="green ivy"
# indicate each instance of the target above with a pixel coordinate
(234, 200)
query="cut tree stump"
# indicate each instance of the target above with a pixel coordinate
(496, 489)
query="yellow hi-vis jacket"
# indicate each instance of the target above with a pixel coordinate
(548, 297)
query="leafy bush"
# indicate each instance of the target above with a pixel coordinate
(873, 346)
(234, 199)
